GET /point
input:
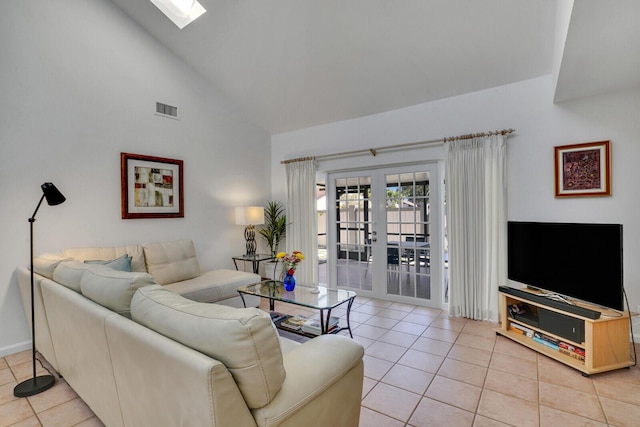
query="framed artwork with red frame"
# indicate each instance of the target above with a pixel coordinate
(151, 187)
(583, 170)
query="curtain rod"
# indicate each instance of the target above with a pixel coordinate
(479, 135)
(299, 159)
(374, 151)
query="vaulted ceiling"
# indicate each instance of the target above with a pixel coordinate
(291, 64)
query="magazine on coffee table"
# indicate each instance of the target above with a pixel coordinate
(294, 323)
(312, 325)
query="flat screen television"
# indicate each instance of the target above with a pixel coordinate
(581, 261)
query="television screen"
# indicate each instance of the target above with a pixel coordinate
(582, 261)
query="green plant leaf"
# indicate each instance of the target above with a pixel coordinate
(275, 225)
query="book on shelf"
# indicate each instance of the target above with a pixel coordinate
(516, 330)
(547, 338)
(579, 351)
(290, 327)
(294, 323)
(566, 346)
(545, 342)
(525, 331)
(277, 316)
(312, 325)
(571, 353)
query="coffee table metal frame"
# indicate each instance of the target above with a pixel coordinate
(319, 298)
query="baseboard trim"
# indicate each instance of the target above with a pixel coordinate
(15, 348)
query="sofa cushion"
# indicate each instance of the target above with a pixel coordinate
(173, 261)
(122, 263)
(108, 253)
(45, 264)
(69, 273)
(245, 340)
(215, 285)
(113, 289)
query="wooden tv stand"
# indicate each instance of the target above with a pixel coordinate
(606, 339)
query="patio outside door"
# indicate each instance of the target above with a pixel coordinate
(385, 229)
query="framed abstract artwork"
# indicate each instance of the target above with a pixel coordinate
(151, 187)
(583, 169)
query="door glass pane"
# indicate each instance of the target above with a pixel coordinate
(321, 219)
(408, 244)
(353, 222)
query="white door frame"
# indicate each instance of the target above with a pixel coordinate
(378, 208)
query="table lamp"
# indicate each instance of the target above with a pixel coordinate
(250, 216)
(39, 384)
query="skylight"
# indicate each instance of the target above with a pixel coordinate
(181, 12)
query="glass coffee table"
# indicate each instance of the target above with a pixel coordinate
(319, 298)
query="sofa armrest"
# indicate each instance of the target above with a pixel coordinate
(323, 385)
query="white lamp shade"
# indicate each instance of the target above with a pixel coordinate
(250, 215)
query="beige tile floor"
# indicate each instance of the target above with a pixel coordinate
(422, 368)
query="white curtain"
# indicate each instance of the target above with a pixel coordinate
(477, 229)
(302, 229)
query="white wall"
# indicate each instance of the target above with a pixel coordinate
(540, 125)
(78, 86)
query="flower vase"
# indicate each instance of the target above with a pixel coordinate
(289, 282)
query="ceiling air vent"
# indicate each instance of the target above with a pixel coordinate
(166, 110)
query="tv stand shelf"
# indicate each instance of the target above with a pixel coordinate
(578, 340)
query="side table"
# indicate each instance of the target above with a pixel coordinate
(254, 259)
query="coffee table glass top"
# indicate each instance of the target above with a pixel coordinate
(318, 297)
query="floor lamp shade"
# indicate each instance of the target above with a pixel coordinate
(250, 216)
(38, 384)
(52, 194)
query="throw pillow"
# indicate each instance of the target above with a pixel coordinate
(69, 273)
(113, 289)
(122, 263)
(109, 252)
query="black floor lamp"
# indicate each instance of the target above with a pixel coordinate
(39, 384)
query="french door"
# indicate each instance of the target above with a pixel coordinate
(385, 233)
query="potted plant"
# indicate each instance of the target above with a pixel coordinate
(274, 230)
(275, 225)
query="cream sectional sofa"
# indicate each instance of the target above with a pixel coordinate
(140, 354)
(172, 264)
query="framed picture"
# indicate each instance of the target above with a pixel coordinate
(151, 187)
(583, 169)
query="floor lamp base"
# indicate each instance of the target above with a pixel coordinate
(34, 386)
